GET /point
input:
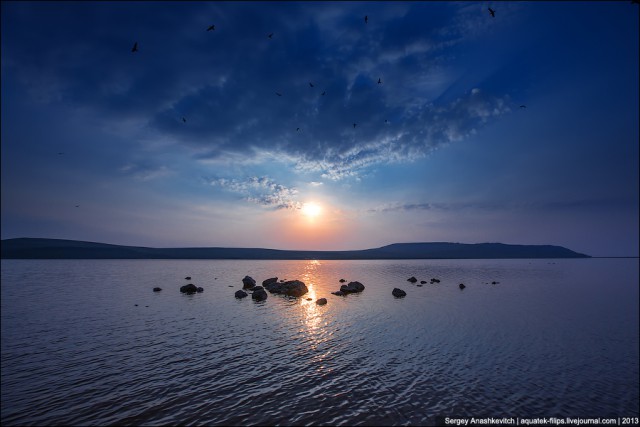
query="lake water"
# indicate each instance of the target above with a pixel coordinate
(552, 338)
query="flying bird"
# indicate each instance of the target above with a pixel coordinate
(366, 19)
(310, 84)
(323, 93)
(297, 129)
(354, 125)
(492, 12)
(379, 81)
(212, 27)
(60, 154)
(270, 35)
(135, 47)
(184, 120)
(523, 106)
(279, 94)
(386, 121)
(77, 206)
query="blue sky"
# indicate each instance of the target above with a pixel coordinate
(186, 142)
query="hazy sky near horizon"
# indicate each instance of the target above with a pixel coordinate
(218, 138)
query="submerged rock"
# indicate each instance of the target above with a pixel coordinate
(248, 282)
(462, 286)
(200, 290)
(241, 294)
(321, 301)
(398, 293)
(156, 289)
(412, 279)
(422, 282)
(259, 295)
(342, 280)
(339, 293)
(188, 278)
(189, 289)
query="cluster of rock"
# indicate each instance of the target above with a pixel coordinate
(292, 288)
(351, 288)
(412, 279)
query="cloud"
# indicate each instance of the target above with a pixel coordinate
(262, 191)
(146, 172)
(228, 96)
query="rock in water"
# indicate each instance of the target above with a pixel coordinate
(398, 293)
(462, 286)
(200, 290)
(156, 289)
(259, 295)
(293, 288)
(248, 282)
(269, 281)
(189, 289)
(241, 294)
(412, 279)
(321, 301)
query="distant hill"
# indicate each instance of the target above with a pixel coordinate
(29, 248)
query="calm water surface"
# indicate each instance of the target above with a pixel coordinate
(553, 338)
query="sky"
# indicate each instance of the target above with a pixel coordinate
(321, 125)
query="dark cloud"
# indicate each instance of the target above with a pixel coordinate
(223, 82)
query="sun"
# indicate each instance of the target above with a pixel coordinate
(311, 209)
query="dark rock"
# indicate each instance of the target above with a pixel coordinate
(419, 286)
(135, 305)
(188, 278)
(342, 280)
(352, 287)
(435, 281)
(321, 301)
(156, 289)
(259, 295)
(293, 288)
(231, 286)
(412, 279)
(189, 289)
(248, 282)
(494, 283)
(241, 294)
(462, 286)
(199, 290)
(339, 293)
(423, 282)
(398, 293)
(269, 281)
(256, 288)
(309, 299)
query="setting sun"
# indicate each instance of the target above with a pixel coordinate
(311, 209)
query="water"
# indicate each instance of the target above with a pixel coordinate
(553, 338)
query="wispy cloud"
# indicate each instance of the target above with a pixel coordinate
(262, 191)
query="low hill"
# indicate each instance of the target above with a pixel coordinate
(30, 248)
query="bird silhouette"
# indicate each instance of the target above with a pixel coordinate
(366, 19)
(492, 12)
(184, 120)
(386, 121)
(211, 27)
(77, 206)
(310, 84)
(279, 94)
(60, 154)
(323, 93)
(135, 47)
(354, 125)
(523, 106)
(379, 81)
(297, 129)
(270, 35)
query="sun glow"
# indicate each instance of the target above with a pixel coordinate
(311, 209)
